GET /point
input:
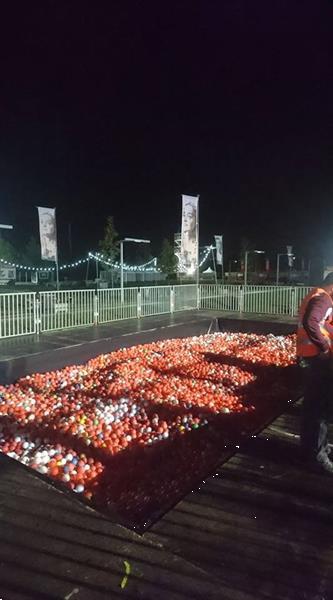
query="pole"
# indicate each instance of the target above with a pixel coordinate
(222, 262)
(277, 269)
(214, 263)
(87, 272)
(197, 236)
(122, 270)
(57, 273)
(56, 240)
(245, 268)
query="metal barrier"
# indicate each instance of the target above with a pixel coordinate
(155, 300)
(17, 314)
(221, 297)
(268, 300)
(64, 309)
(111, 308)
(27, 312)
(258, 299)
(300, 293)
(185, 297)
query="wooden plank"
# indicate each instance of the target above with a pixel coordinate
(263, 524)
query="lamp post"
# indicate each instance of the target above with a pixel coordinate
(245, 265)
(212, 248)
(278, 264)
(136, 241)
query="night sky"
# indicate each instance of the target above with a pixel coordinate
(120, 108)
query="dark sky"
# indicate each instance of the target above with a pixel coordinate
(119, 108)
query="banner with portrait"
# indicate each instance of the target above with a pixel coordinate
(48, 233)
(290, 256)
(189, 234)
(219, 249)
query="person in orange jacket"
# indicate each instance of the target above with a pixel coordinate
(314, 347)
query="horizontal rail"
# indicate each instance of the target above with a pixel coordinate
(24, 313)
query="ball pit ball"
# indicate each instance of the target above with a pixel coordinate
(73, 425)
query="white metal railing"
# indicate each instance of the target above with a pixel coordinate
(220, 297)
(17, 314)
(111, 308)
(29, 312)
(155, 300)
(268, 300)
(258, 299)
(300, 293)
(185, 297)
(66, 308)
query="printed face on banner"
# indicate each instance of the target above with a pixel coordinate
(189, 242)
(48, 233)
(219, 249)
(290, 256)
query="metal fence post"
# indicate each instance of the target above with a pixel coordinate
(198, 297)
(96, 309)
(37, 314)
(172, 299)
(139, 303)
(294, 307)
(241, 299)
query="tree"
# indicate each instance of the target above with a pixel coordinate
(167, 260)
(7, 250)
(32, 253)
(109, 245)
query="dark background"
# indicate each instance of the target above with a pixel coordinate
(120, 108)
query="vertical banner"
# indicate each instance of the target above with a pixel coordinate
(290, 256)
(190, 234)
(219, 249)
(48, 233)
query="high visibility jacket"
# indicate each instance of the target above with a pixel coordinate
(304, 346)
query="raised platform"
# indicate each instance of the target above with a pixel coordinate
(258, 529)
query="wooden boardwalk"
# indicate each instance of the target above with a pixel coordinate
(262, 525)
(259, 529)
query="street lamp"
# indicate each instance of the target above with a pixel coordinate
(278, 264)
(136, 241)
(245, 266)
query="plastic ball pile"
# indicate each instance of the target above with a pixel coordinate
(89, 426)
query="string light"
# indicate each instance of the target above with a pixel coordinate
(144, 268)
(182, 268)
(147, 267)
(206, 255)
(97, 256)
(44, 269)
(25, 267)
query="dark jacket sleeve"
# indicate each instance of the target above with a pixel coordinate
(315, 312)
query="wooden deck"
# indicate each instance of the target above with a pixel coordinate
(262, 526)
(259, 529)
